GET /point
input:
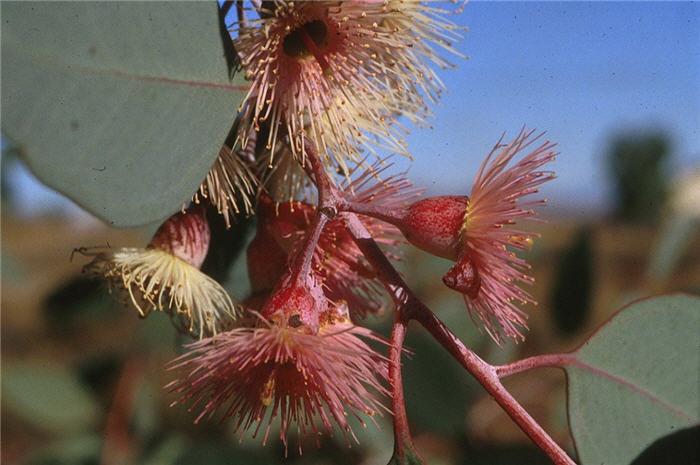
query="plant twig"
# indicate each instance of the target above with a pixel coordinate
(402, 433)
(409, 307)
(538, 361)
(487, 375)
(484, 373)
(325, 210)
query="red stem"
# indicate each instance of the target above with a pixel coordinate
(302, 263)
(402, 433)
(328, 195)
(119, 445)
(393, 216)
(410, 307)
(538, 361)
(324, 211)
(389, 275)
(488, 377)
(330, 201)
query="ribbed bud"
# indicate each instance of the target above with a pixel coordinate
(165, 276)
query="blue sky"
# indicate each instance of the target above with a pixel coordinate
(579, 70)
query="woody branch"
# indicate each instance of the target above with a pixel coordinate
(409, 307)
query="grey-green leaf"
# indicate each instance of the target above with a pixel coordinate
(122, 106)
(48, 397)
(636, 380)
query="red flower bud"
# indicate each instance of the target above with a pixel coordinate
(165, 276)
(297, 304)
(464, 277)
(185, 235)
(336, 264)
(434, 224)
(479, 232)
(267, 261)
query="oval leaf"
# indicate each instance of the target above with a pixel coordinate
(635, 380)
(121, 106)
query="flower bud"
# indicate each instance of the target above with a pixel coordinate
(482, 232)
(165, 276)
(464, 277)
(297, 304)
(337, 263)
(185, 235)
(434, 224)
(266, 260)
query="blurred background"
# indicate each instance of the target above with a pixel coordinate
(617, 85)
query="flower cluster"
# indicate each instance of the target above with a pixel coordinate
(337, 262)
(300, 358)
(328, 81)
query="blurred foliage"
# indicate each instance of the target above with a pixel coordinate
(76, 450)
(572, 292)
(432, 403)
(50, 397)
(79, 298)
(638, 164)
(513, 454)
(675, 236)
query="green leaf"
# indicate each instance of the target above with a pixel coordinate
(122, 106)
(48, 397)
(635, 380)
